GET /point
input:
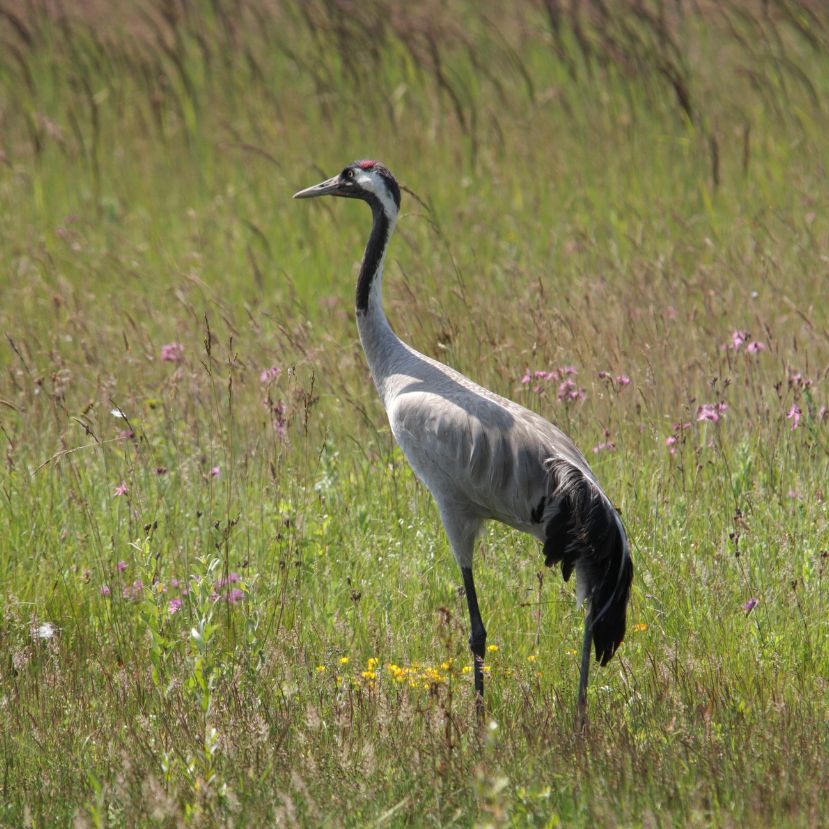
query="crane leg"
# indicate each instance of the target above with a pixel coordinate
(581, 705)
(477, 639)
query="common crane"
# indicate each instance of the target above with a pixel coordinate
(485, 457)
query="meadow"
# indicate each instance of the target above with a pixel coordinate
(226, 600)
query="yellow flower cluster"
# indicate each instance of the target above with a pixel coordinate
(415, 675)
(370, 674)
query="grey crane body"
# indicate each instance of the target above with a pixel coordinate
(481, 455)
(484, 457)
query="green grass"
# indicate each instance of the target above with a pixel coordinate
(570, 211)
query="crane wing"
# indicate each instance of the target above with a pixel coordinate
(470, 445)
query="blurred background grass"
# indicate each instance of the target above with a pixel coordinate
(617, 187)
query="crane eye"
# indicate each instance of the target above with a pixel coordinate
(349, 173)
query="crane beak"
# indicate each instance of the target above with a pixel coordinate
(329, 187)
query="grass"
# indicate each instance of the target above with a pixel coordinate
(265, 625)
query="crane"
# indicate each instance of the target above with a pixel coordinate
(484, 457)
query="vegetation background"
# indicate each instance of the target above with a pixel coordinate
(225, 598)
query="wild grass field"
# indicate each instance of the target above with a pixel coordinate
(226, 600)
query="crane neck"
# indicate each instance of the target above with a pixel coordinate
(382, 347)
(371, 270)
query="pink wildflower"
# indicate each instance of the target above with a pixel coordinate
(173, 606)
(711, 411)
(231, 578)
(822, 412)
(105, 591)
(755, 347)
(235, 595)
(122, 565)
(133, 591)
(750, 605)
(623, 379)
(214, 472)
(608, 445)
(794, 415)
(268, 375)
(232, 596)
(121, 489)
(525, 380)
(738, 338)
(568, 390)
(172, 352)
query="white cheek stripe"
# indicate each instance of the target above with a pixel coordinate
(372, 182)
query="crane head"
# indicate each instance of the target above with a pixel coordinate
(370, 181)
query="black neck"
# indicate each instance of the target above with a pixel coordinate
(373, 256)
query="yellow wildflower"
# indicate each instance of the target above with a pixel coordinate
(641, 627)
(466, 669)
(320, 668)
(432, 676)
(492, 648)
(532, 657)
(344, 660)
(398, 673)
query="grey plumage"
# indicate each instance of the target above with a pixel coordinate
(484, 457)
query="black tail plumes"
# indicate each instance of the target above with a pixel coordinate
(583, 531)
